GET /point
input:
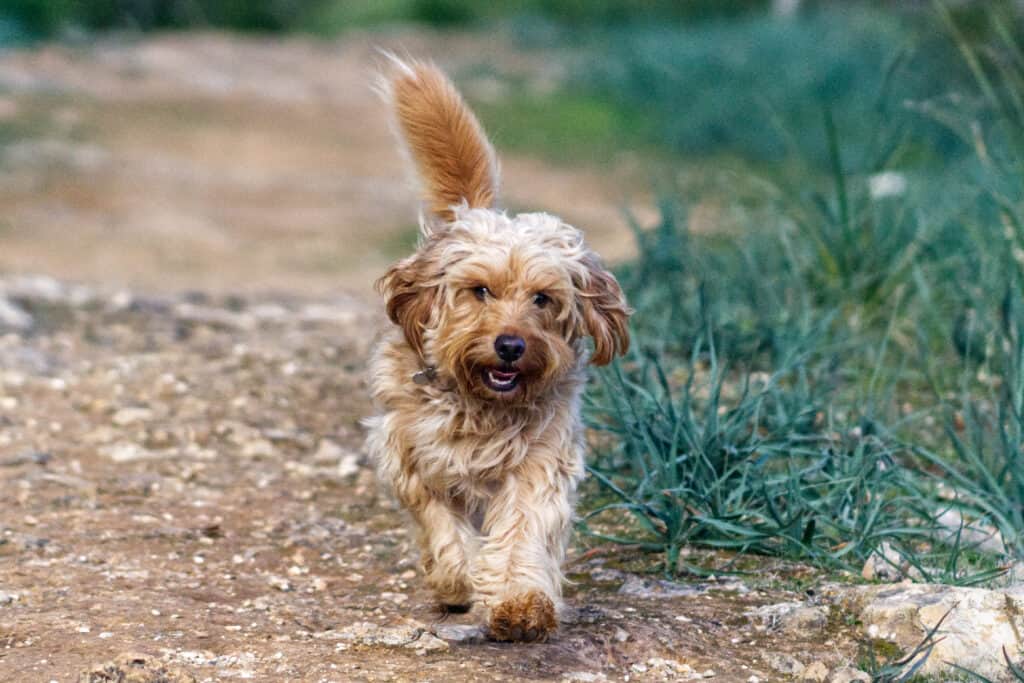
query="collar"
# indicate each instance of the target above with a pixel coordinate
(425, 375)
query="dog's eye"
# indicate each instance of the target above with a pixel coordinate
(481, 292)
(541, 299)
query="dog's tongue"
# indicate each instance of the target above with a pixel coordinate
(503, 376)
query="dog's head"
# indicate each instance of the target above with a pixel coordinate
(500, 303)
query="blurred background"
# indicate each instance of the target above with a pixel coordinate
(237, 145)
(817, 209)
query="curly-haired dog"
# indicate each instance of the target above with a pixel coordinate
(479, 384)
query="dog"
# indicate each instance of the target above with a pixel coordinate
(477, 387)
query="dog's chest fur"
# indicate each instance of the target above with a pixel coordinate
(456, 447)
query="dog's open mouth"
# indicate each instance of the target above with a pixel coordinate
(501, 380)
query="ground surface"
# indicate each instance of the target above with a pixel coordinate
(184, 479)
(183, 492)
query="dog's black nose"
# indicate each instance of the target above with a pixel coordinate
(509, 348)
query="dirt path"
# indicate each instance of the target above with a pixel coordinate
(183, 493)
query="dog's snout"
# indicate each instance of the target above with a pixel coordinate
(509, 347)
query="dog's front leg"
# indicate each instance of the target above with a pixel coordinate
(446, 538)
(517, 573)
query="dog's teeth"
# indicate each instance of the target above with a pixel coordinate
(500, 382)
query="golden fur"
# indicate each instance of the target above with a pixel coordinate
(447, 145)
(488, 475)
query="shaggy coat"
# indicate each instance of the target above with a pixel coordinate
(478, 386)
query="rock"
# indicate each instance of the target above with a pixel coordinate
(26, 458)
(655, 588)
(321, 313)
(641, 587)
(975, 534)
(463, 634)
(132, 415)
(125, 452)
(815, 671)
(328, 452)
(806, 619)
(784, 663)
(46, 289)
(886, 564)
(258, 448)
(280, 583)
(978, 625)
(791, 617)
(886, 183)
(429, 643)
(849, 674)
(670, 669)
(584, 677)
(135, 668)
(585, 614)
(13, 317)
(607, 575)
(397, 598)
(348, 466)
(366, 634)
(8, 598)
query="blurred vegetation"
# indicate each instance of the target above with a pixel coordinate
(46, 17)
(756, 86)
(697, 78)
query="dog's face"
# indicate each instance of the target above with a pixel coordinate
(498, 303)
(501, 304)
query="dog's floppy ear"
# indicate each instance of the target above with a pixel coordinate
(444, 141)
(604, 311)
(410, 298)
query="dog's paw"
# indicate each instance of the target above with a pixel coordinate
(527, 617)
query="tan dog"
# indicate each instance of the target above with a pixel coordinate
(479, 385)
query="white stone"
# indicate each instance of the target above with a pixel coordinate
(461, 633)
(792, 617)
(131, 415)
(784, 663)
(887, 184)
(980, 622)
(13, 317)
(849, 674)
(815, 671)
(584, 677)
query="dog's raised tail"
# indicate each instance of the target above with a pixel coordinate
(445, 142)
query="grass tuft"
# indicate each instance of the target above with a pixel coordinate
(847, 381)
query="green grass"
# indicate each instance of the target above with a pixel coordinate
(885, 663)
(849, 372)
(563, 128)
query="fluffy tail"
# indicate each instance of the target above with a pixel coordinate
(444, 140)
